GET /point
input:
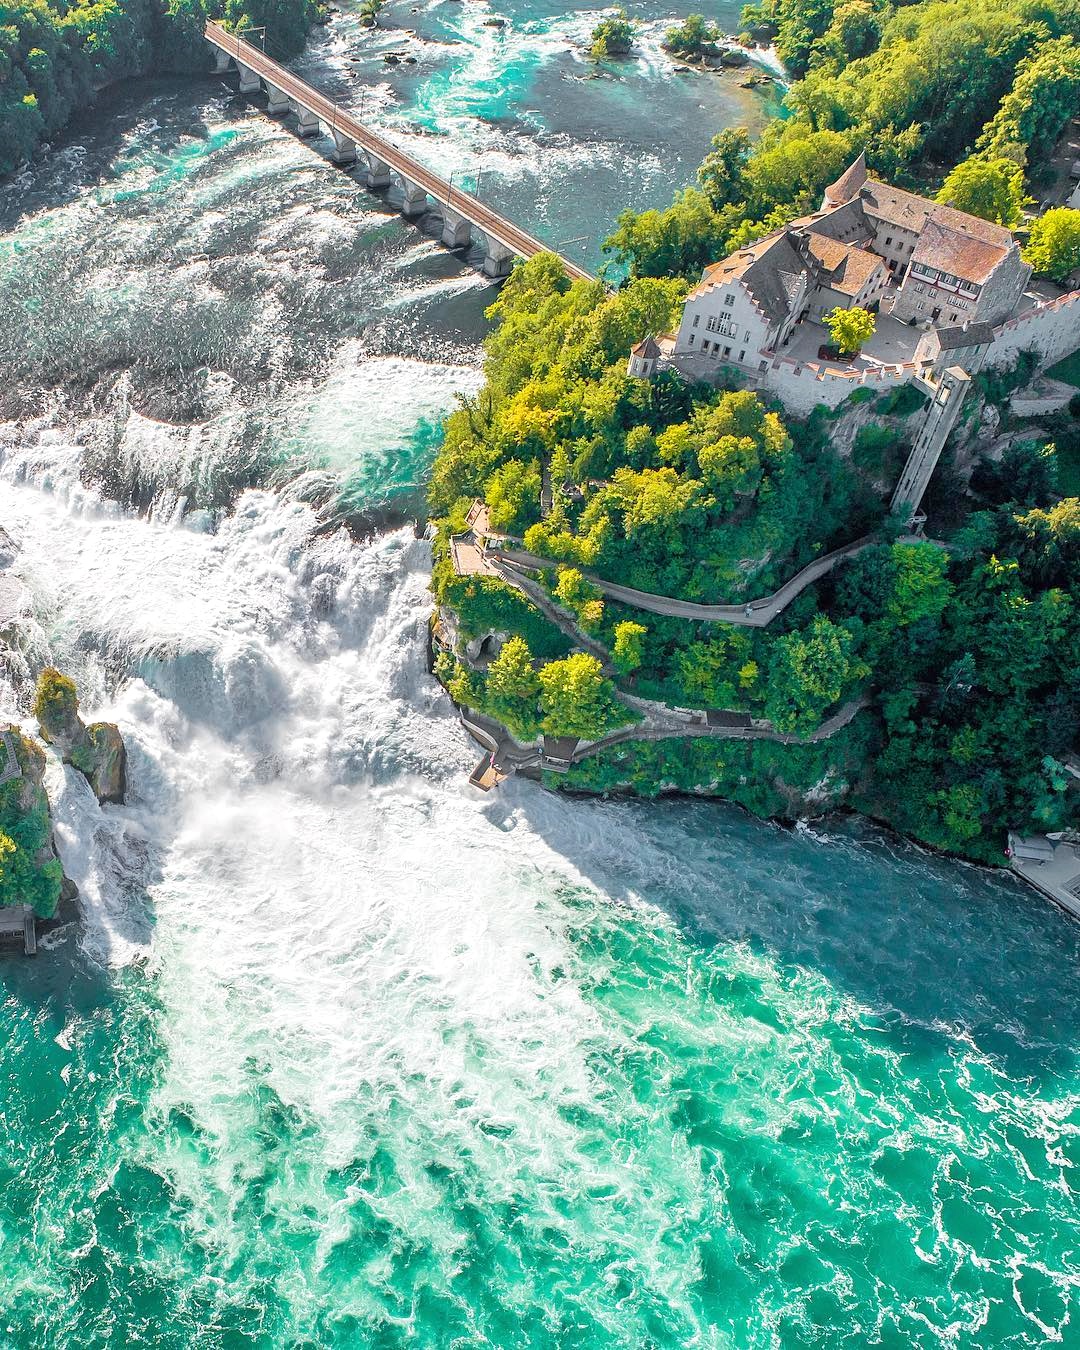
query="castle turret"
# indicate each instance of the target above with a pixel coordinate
(644, 359)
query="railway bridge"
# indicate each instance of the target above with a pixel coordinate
(417, 189)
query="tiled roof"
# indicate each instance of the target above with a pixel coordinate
(843, 267)
(849, 182)
(647, 349)
(948, 245)
(903, 209)
(965, 335)
(770, 269)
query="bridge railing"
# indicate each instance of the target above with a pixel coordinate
(341, 122)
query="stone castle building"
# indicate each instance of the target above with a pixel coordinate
(869, 245)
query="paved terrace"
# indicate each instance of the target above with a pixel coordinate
(460, 211)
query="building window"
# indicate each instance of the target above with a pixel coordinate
(696, 318)
(742, 357)
(712, 324)
(888, 240)
(691, 339)
(727, 351)
(892, 265)
(729, 300)
(746, 336)
(725, 316)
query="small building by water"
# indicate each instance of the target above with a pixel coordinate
(1050, 863)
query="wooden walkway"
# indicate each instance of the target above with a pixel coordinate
(496, 228)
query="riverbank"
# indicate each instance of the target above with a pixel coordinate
(57, 68)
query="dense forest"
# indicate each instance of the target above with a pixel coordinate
(54, 55)
(963, 648)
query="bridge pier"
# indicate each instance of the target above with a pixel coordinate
(378, 172)
(222, 61)
(414, 199)
(277, 101)
(307, 124)
(456, 230)
(498, 259)
(249, 80)
(344, 151)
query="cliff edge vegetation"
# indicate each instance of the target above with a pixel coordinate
(55, 55)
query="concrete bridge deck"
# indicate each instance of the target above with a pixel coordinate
(421, 189)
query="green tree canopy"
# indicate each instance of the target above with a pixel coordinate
(576, 699)
(992, 189)
(850, 329)
(1053, 246)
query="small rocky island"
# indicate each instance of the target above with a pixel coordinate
(32, 880)
(97, 750)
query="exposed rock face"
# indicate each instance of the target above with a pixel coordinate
(109, 761)
(97, 751)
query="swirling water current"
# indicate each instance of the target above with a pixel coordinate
(335, 1052)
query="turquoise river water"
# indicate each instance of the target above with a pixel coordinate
(336, 1053)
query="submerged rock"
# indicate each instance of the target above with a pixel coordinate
(97, 751)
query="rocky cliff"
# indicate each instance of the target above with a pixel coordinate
(97, 750)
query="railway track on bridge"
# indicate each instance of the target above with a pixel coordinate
(504, 239)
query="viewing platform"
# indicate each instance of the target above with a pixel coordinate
(387, 167)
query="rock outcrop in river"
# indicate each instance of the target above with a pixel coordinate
(97, 750)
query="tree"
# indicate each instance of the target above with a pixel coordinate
(850, 328)
(695, 37)
(513, 496)
(613, 36)
(628, 649)
(808, 672)
(576, 700)
(992, 189)
(581, 596)
(512, 688)
(720, 174)
(1053, 246)
(512, 674)
(920, 588)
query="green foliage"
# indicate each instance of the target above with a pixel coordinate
(695, 37)
(1035, 111)
(850, 329)
(576, 699)
(808, 673)
(513, 496)
(628, 647)
(56, 702)
(581, 596)
(512, 687)
(612, 36)
(1053, 246)
(24, 839)
(992, 189)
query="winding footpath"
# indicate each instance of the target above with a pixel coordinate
(657, 721)
(753, 614)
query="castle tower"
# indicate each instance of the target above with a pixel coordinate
(644, 359)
